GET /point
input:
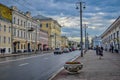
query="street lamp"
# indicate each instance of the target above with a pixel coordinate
(80, 6)
(85, 27)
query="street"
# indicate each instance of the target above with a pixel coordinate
(37, 67)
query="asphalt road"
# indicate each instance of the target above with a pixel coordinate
(37, 67)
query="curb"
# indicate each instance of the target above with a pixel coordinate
(19, 54)
(56, 73)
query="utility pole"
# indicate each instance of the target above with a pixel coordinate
(80, 6)
(85, 36)
(87, 41)
(85, 27)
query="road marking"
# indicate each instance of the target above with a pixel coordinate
(23, 58)
(45, 58)
(23, 64)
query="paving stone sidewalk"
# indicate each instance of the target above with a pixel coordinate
(108, 68)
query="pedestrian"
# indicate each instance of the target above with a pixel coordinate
(100, 52)
(97, 50)
(112, 48)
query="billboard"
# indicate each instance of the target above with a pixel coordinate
(5, 12)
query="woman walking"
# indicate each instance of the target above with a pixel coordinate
(100, 52)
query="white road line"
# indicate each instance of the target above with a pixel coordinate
(22, 58)
(45, 58)
(23, 64)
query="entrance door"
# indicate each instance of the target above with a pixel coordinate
(28, 47)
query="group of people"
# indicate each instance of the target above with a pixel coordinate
(99, 51)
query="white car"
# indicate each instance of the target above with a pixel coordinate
(58, 51)
(66, 50)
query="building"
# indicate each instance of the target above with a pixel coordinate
(43, 40)
(64, 41)
(111, 36)
(20, 32)
(53, 28)
(73, 44)
(96, 41)
(23, 38)
(5, 29)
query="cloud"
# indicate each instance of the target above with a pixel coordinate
(98, 15)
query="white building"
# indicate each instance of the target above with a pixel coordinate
(25, 31)
(96, 41)
(111, 37)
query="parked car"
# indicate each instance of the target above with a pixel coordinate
(70, 49)
(66, 50)
(58, 51)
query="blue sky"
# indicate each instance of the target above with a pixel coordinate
(98, 15)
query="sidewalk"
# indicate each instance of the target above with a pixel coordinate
(108, 68)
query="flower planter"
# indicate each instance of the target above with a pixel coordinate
(73, 66)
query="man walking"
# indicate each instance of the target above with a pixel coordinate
(97, 50)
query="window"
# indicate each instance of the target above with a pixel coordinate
(18, 33)
(28, 24)
(14, 20)
(14, 32)
(4, 28)
(117, 34)
(18, 21)
(9, 29)
(21, 34)
(9, 40)
(47, 25)
(21, 22)
(4, 39)
(24, 34)
(8, 49)
(114, 35)
(40, 25)
(24, 24)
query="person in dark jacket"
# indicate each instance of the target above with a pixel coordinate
(97, 50)
(100, 52)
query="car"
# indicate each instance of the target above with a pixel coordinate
(66, 50)
(58, 51)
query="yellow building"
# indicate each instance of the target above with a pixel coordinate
(53, 29)
(5, 29)
(64, 41)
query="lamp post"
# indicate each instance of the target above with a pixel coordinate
(80, 6)
(87, 41)
(85, 27)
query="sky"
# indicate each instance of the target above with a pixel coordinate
(97, 16)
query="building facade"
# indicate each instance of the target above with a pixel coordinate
(43, 40)
(5, 29)
(27, 36)
(19, 32)
(64, 41)
(96, 41)
(53, 29)
(5, 36)
(111, 37)
(23, 38)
